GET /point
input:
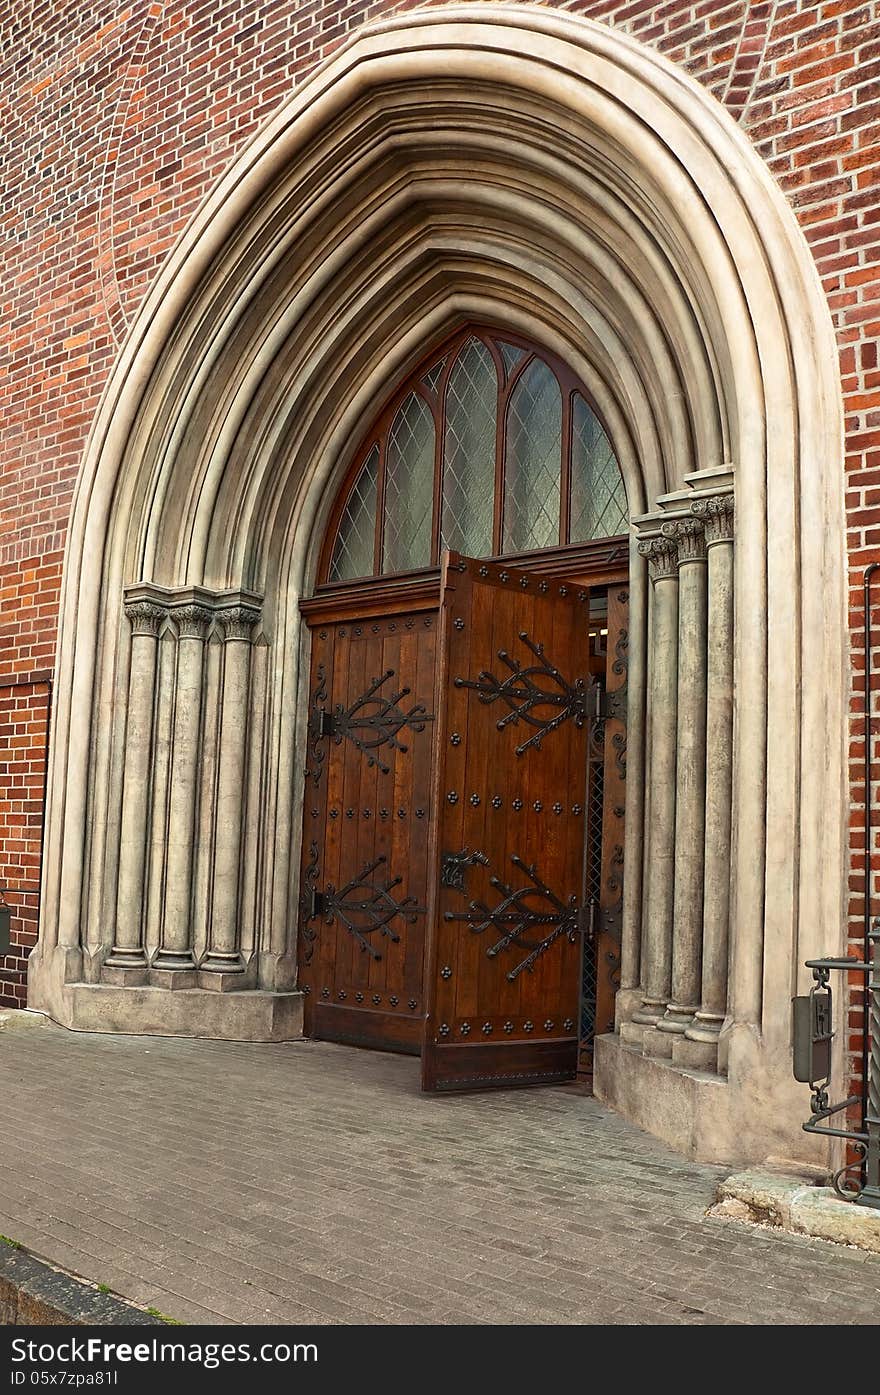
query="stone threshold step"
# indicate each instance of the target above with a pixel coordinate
(798, 1206)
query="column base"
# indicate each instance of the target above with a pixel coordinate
(650, 1013)
(221, 962)
(706, 1028)
(126, 959)
(177, 959)
(677, 1019)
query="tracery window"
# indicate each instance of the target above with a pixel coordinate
(491, 448)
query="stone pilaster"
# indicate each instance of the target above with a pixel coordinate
(717, 516)
(656, 958)
(224, 952)
(127, 960)
(175, 953)
(687, 932)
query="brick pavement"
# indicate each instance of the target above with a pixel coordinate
(230, 1183)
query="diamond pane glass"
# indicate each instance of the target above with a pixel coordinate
(355, 541)
(511, 355)
(432, 378)
(534, 461)
(409, 488)
(469, 452)
(598, 498)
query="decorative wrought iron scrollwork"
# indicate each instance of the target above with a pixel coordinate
(848, 1181)
(526, 691)
(307, 903)
(614, 880)
(374, 720)
(365, 908)
(516, 915)
(317, 750)
(621, 651)
(618, 743)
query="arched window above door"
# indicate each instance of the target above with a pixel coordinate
(490, 448)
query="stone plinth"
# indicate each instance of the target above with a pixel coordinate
(252, 1015)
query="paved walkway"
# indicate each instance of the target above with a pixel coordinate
(310, 1183)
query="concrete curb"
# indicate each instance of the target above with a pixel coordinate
(794, 1205)
(36, 1294)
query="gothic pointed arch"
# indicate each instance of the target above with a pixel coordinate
(507, 165)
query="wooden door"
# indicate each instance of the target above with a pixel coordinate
(363, 901)
(509, 911)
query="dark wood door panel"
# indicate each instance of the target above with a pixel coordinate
(508, 904)
(367, 817)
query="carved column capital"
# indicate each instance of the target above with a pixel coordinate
(237, 621)
(689, 537)
(145, 616)
(717, 515)
(662, 556)
(192, 620)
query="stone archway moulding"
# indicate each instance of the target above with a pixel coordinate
(530, 168)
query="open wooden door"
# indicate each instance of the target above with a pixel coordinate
(507, 913)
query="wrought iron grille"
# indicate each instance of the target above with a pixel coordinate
(589, 969)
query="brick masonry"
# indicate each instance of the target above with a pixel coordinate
(116, 120)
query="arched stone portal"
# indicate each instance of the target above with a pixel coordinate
(529, 169)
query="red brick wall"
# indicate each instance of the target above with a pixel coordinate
(115, 120)
(24, 710)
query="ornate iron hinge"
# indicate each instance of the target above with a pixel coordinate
(372, 721)
(527, 691)
(325, 722)
(608, 706)
(514, 917)
(365, 908)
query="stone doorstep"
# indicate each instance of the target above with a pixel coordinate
(34, 1293)
(22, 1019)
(794, 1204)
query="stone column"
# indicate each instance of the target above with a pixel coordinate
(127, 959)
(717, 515)
(690, 799)
(175, 953)
(224, 955)
(662, 555)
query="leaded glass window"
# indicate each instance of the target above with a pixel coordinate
(469, 452)
(533, 465)
(409, 487)
(353, 554)
(598, 500)
(490, 448)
